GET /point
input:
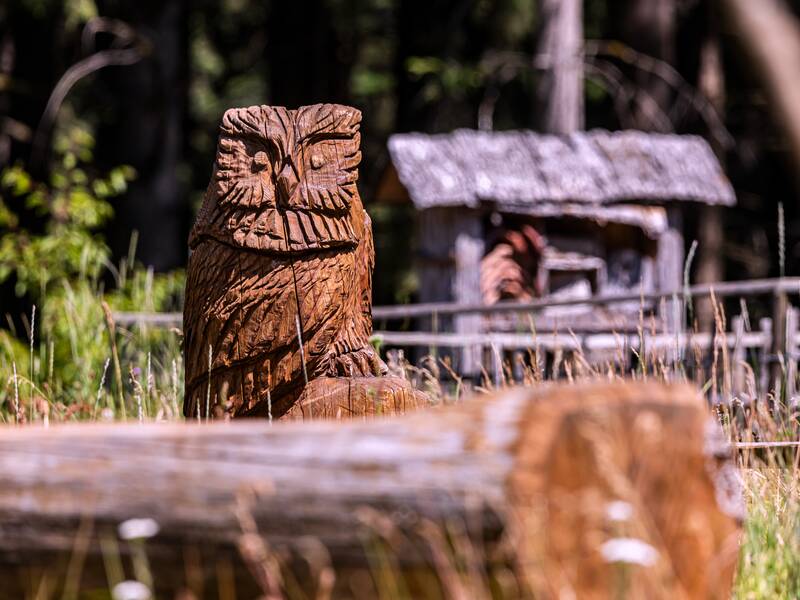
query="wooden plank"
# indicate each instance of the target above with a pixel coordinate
(790, 352)
(469, 250)
(739, 356)
(759, 445)
(518, 476)
(721, 289)
(452, 242)
(753, 287)
(551, 340)
(669, 265)
(765, 325)
(780, 305)
(598, 320)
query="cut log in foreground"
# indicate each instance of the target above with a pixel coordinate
(602, 489)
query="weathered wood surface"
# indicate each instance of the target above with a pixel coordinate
(752, 287)
(344, 397)
(528, 479)
(279, 282)
(450, 248)
(523, 172)
(670, 269)
(576, 342)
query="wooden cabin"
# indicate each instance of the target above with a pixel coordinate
(520, 215)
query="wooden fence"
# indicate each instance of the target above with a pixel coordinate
(773, 343)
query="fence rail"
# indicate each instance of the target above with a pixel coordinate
(566, 341)
(775, 341)
(753, 287)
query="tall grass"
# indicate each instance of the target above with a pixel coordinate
(78, 365)
(71, 362)
(769, 561)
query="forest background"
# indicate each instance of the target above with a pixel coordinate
(109, 112)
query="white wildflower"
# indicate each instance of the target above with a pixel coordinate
(629, 550)
(137, 529)
(131, 590)
(619, 510)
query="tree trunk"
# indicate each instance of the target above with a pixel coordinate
(522, 482)
(648, 26)
(147, 133)
(561, 83)
(770, 35)
(711, 83)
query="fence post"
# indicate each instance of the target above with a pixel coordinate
(780, 304)
(790, 352)
(670, 268)
(765, 325)
(739, 356)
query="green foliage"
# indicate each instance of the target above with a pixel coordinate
(769, 560)
(367, 82)
(61, 261)
(74, 12)
(68, 372)
(66, 213)
(79, 11)
(449, 78)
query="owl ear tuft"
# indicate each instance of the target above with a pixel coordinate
(349, 113)
(346, 118)
(249, 120)
(327, 119)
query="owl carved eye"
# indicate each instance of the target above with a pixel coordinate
(260, 160)
(317, 161)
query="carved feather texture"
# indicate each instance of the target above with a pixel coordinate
(281, 239)
(313, 151)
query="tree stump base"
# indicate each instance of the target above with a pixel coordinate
(343, 397)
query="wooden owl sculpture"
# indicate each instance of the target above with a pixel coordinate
(278, 291)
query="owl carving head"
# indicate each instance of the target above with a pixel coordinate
(284, 180)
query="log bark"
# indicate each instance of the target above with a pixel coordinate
(770, 35)
(711, 229)
(524, 483)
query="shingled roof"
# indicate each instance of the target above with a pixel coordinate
(519, 169)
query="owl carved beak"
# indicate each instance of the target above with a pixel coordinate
(287, 183)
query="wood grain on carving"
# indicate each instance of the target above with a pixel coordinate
(278, 289)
